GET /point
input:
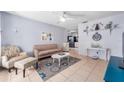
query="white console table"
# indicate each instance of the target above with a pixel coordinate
(106, 50)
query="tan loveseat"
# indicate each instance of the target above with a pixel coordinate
(41, 51)
(10, 55)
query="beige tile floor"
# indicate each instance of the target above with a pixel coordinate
(86, 70)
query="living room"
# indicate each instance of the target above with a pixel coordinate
(65, 45)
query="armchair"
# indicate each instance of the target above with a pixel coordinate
(10, 55)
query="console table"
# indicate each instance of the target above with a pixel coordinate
(106, 50)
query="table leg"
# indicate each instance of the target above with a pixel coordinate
(16, 71)
(68, 59)
(53, 60)
(107, 53)
(24, 73)
(36, 65)
(59, 62)
(9, 70)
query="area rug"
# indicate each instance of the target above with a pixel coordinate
(47, 68)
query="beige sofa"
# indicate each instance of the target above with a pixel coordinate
(10, 55)
(41, 51)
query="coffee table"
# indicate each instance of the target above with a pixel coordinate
(60, 56)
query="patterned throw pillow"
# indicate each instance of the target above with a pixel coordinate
(10, 51)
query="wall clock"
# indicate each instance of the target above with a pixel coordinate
(97, 36)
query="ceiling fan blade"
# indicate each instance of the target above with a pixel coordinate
(68, 18)
(69, 14)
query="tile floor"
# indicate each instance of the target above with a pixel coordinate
(87, 70)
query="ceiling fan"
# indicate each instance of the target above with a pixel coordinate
(66, 15)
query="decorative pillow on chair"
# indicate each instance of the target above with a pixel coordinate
(10, 51)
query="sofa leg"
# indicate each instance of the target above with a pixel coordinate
(16, 71)
(9, 70)
(24, 73)
(36, 65)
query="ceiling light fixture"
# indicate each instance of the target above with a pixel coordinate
(62, 19)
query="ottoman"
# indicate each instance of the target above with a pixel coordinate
(25, 63)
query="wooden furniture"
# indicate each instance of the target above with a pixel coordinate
(106, 50)
(25, 63)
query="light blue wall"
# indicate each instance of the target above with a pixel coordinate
(0, 35)
(0, 21)
(28, 32)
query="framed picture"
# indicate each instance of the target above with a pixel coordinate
(70, 39)
(46, 36)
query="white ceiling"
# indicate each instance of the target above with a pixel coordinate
(53, 17)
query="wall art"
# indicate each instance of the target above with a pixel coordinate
(46, 36)
(110, 26)
(97, 37)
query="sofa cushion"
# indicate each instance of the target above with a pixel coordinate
(43, 52)
(53, 50)
(59, 49)
(48, 51)
(45, 47)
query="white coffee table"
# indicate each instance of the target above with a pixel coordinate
(59, 56)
